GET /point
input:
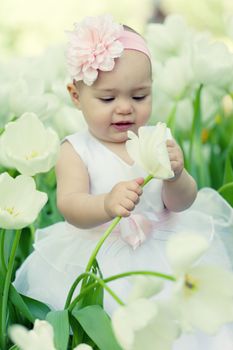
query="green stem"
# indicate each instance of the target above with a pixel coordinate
(108, 231)
(72, 289)
(196, 164)
(171, 119)
(109, 279)
(2, 251)
(3, 328)
(99, 281)
(149, 273)
(101, 241)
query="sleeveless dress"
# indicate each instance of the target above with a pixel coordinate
(61, 251)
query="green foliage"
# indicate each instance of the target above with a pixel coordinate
(49, 214)
(227, 192)
(97, 325)
(60, 322)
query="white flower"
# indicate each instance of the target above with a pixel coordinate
(203, 295)
(169, 39)
(23, 97)
(67, 120)
(176, 78)
(183, 250)
(39, 338)
(28, 146)
(149, 150)
(20, 202)
(144, 286)
(83, 347)
(93, 46)
(144, 324)
(217, 71)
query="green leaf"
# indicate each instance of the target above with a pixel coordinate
(228, 171)
(60, 322)
(19, 303)
(78, 332)
(196, 163)
(97, 325)
(14, 347)
(96, 295)
(227, 192)
(37, 308)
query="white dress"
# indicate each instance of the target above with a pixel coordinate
(61, 251)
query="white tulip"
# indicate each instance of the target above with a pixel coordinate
(67, 120)
(149, 150)
(144, 286)
(28, 146)
(207, 14)
(209, 71)
(53, 104)
(168, 39)
(203, 295)
(175, 78)
(23, 97)
(40, 337)
(182, 253)
(20, 202)
(83, 347)
(4, 102)
(144, 324)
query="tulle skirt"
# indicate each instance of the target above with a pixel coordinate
(61, 253)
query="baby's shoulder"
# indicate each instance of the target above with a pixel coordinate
(77, 142)
(77, 138)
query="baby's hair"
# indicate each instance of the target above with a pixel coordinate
(129, 29)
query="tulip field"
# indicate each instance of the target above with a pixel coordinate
(193, 95)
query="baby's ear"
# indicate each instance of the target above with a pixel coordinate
(74, 94)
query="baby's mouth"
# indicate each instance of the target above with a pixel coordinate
(122, 126)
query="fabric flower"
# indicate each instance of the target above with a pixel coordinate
(28, 146)
(144, 324)
(40, 337)
(20, 202)
(149, 150)
(93, 46)
(203, 295)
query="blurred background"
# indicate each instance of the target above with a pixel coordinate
(27, 27)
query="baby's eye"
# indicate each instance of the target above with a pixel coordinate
(106, 99)
(139, 98)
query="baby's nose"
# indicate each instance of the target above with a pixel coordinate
(124, 107)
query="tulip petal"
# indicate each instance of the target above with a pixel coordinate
(184, 249)
(20, 202)
(28, 146)
(144, 287)
(83, 347)
(149, 150)
(208, 305)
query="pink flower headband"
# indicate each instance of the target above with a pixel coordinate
(95, 43)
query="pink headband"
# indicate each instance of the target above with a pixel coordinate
(95, 43)
(133, 41)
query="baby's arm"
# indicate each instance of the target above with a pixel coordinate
(179, 192)
(77, 205)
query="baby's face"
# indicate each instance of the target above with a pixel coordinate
(119, 100)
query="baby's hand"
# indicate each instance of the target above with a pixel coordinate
(123, 198)
(176, 158)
